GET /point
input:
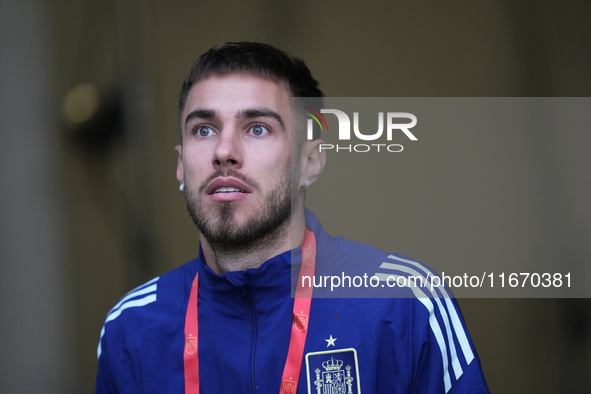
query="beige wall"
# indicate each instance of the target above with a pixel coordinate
(126, 220)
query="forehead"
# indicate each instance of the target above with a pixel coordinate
(230, 93)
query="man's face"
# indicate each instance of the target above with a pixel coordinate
(236, 157)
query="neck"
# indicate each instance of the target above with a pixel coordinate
(289, 235)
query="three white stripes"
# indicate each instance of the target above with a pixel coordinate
(148, 290)
(433, 323)
(130, 301)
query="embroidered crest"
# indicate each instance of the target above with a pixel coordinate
(301, 321)
(191, 345)
(333, 372)
(288, 387)
(309, 256)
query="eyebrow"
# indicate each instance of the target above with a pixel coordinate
(260, 113)
(249, 113)
(201, 114)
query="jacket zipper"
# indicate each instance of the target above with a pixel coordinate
(245, 292)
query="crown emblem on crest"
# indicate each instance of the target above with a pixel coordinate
(334, 379)
(332, 364)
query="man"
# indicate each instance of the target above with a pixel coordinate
(226, 321)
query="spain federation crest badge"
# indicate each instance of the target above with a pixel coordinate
(301, 321)
(333, 372)
(190, 345)
(309, 256)
(288, 387)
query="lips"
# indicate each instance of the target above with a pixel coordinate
(228, 190)
(227, 185)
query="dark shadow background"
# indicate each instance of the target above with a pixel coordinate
(90, 209)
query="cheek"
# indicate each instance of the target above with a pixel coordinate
(273, 173)
(198, 157)
(281, 163)
(195, 169)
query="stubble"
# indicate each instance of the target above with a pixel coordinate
(265, 226)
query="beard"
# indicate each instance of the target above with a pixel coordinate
(265, 224)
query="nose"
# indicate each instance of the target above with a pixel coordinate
(228, 151)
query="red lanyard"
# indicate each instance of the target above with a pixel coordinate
(299, 328)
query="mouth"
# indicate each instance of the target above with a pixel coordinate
(228, 190)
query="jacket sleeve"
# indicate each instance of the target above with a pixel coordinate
(105, 382)
(444, 360)
(117, 373)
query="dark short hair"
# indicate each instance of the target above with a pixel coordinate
(259, 59)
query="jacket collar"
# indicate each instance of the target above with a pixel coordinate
(279, 272)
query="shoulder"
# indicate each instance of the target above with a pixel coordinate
(384, 274)
(337, 255)
(162, 298)
(425, 318)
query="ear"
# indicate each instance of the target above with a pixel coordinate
(180, 173)
(312, 161)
